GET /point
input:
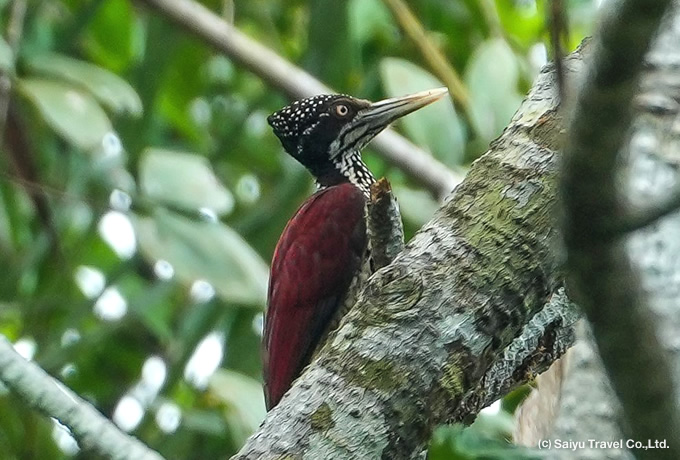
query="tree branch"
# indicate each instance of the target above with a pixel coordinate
(546, 337)
(586, 386)
(40, 391)
(600, 273)
(641, 216)
(14, 31)
(295, 82)
(558, 32)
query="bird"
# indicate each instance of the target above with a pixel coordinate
(324, 245)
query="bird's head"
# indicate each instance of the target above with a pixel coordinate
(326, 133)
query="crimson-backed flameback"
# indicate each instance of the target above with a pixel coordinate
(324, 245)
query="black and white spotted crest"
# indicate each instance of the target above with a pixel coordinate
(309, 130)
(326, 133)
(292, 121)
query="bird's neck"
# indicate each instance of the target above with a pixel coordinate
(348, 168)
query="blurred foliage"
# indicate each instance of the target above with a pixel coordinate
(486, 439)
(142, 193)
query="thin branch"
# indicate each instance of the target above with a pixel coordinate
(604, 283)
(45, 394)
(640, 217)
(587, 405)
(15, 140)
(490, 12)
(295, 82)
(21, 156)
(228, 11)
(433, 56)
(558, 29)
(14, 31)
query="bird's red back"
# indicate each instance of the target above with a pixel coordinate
(315, 260)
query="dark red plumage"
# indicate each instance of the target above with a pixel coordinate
(316, 258)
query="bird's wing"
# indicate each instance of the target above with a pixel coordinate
(315, 260)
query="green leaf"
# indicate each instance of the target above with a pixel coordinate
(492, 77)
(369, 19)
(208, 251)
(111, 90)
(525, 21)
(114, 35)
(30, 427)
(436, 127)
(243, 339)
(74, 115)
(150, 302)
(205, 422)
(6, 57)
(443, 443)
(330, 59)
(512, 400)
(455, 442)
(182, 84)
(184, 180)
(243, 402)
(494, 425)
(11, 322)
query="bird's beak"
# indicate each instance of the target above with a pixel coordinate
(379, 115)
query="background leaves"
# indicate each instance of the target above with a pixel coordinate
(68, 110)
(111, 90)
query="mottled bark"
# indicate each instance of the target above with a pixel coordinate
(601, 276)
(385, 229)
(419, 346)
(544, 339)
(588, 407)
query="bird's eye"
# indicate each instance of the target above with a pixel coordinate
(341, 110)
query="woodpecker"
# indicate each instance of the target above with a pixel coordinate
(323, 246)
